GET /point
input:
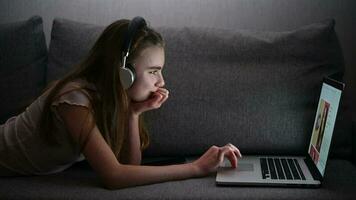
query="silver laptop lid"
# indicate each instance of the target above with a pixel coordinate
(324, 123)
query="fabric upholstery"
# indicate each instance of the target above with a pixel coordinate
(23, 60)
(80, 182)
(70, 42)
(257, 90)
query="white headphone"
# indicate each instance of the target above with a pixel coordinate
(127, 71)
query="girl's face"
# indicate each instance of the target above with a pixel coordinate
(148, 66)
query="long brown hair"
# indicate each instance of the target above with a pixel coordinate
(110, 103)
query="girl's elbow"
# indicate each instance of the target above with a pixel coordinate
(115, 181)
(114, 185)
(111, 187)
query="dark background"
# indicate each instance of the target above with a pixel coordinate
(272, 15)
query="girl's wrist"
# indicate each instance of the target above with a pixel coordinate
(133, 112)
(134, 115)
(195, 169)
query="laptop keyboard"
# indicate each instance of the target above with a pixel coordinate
(281, 168)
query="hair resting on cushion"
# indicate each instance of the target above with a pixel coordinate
(110, 104)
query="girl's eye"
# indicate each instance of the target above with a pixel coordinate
(154, 72)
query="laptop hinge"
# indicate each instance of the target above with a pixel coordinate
(313, 169)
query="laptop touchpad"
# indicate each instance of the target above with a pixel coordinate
(240, 167)
(245, 167)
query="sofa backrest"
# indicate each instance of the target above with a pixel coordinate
(70, 42)
(23, 62)
(257, 90)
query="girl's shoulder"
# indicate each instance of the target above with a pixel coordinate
(78, 84)
(77, 92)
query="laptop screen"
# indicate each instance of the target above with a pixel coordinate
(324, 125)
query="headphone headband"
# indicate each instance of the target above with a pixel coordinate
(127, 72)
(136, 24)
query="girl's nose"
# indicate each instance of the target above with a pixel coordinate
(160, 82)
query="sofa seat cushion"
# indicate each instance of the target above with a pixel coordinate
(80, 182)
(23, 61)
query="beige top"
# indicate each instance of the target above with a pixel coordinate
(23, 152)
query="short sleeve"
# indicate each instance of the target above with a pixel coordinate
(77, 97)
(73, 94)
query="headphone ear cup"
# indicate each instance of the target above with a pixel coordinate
(132, 69)
(127, 76)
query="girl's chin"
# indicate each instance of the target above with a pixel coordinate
(141, 99)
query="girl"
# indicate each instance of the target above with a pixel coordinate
(94, 113)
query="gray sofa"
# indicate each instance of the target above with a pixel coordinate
(257, 90)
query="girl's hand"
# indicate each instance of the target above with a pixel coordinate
(212, 158)
(153, 102)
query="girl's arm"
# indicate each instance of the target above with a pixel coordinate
(131, 152)
(116, 175)
(132, 149)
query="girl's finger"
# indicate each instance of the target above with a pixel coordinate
(163, 90)
(156, 101)
(236, 150)
(164, 93)
(227, 152)
(165, 97)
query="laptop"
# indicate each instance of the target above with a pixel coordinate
(291, 171)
